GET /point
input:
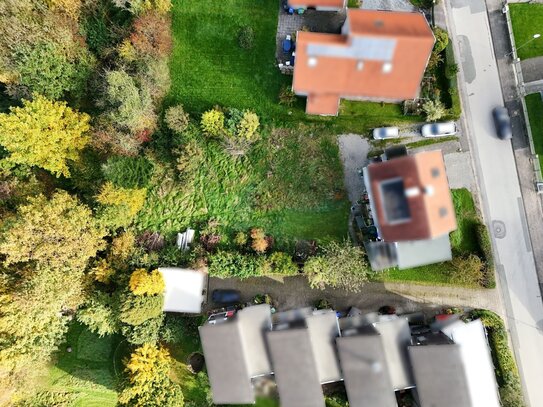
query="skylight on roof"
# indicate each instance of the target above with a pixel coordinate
(394, 201)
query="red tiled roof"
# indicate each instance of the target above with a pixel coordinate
(352, 66)
(430, 207)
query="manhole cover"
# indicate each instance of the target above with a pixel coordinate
(498, 228)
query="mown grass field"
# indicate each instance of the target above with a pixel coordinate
(534, 104)
(209, 68)
(463, 241)
(90, 372)
(527, 20)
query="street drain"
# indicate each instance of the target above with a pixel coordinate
(498, 228)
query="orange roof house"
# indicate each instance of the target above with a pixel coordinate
(410, 197)
(380, 56)
(323, 5)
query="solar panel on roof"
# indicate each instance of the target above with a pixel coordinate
(362, 48)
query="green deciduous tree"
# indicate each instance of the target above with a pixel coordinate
(341, 265)
(44, 133)
(101, 313)
(176, 118)
(48, 69)
(119, 205)
(148, 382)
(129, 106)
(58, 233)
(136, 309)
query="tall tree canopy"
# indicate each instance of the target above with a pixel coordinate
(44, 133)
(58, 233)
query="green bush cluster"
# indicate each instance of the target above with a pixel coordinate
(504, 362)
(232, 264)
(451, 69)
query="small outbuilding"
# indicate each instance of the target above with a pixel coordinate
(185, 289)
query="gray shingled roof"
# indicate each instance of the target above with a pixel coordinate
(440, 376)
(295, 369)
(396, 337)
(323, 331)
(226, 364)
(365, 370)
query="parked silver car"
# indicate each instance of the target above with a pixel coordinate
(439, 129)
(383, 133)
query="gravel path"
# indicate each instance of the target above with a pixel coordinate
(294, 292)
(354, 155)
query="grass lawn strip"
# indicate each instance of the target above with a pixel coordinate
(534, 104)
(527, 20)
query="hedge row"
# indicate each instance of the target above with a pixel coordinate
(485, 248)
(455, 108)
(504, 362)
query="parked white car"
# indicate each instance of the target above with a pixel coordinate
(383, 133)
(439, 129)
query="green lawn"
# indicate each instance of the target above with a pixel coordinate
(88, 373)
(535, 114)
(463, 241)
(209, 68)
(527, 20)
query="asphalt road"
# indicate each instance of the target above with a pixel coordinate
(501, 197)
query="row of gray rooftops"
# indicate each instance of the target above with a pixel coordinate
(374, 355)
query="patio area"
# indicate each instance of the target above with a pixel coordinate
(310, 20)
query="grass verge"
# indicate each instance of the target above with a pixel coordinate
(534, 104)
(527, 20)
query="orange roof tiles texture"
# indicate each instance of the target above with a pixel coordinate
(317, 3)
(431, 211)
(353, 66)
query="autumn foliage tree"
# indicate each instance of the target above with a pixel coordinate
(144, 283)
(148, 382)
(44, 133)
(119, 205)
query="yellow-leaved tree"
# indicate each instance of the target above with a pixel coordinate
(144, 283)
(120, 205)
(44, 133)
(149, 383)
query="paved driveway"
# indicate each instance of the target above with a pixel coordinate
(500, 191)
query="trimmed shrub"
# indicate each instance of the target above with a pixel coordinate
(212, 123)
(230, 264)
(442, 39)
(281, 263)
(246, 37)
(177, 119)
(434, 110)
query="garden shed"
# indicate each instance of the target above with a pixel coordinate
(185, 289)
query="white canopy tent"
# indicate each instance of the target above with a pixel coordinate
(184, 289)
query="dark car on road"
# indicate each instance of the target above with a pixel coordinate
(502, 121)
(226, 296)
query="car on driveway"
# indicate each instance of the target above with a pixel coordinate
(226, 296)
(383, 133)
(439, 129)
(502, 121)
